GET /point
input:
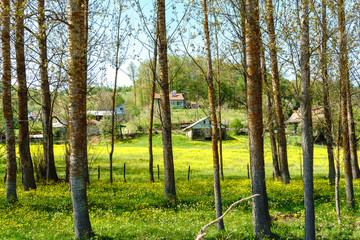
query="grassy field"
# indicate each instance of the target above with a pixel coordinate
(137, 209)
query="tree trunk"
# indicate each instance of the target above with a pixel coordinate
(153, 89)
(219, 104)
(77, 118)
(326, 96)
(46, 98)
(170, 191)
(7, 107)
(270, 113)
(261, 217)
(352, 136)
(284, 169)
(114, 95)
(343, 64)
(28, 180)
(214, 123)
(306, 123)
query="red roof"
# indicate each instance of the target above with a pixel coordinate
(172, 96)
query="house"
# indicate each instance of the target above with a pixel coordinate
(318, 118)
(177, 100)
(98, 115)
(317, 114)
(201, 130)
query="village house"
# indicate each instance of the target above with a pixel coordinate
(201, 130)
(177, 100)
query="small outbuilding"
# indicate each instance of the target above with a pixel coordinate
(201, 130)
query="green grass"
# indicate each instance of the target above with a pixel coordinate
(137, 209)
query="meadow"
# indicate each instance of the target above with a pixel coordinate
(136, 209)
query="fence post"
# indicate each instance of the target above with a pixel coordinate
(248, 171)
(124, 172)
(189, 174)
(98, 172)
(158, 172)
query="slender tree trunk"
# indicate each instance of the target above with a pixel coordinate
(284, 169)
(306, 123)
(270, 113)
(352, 136)
(7, 106)
(214, 123)
(46, 98)
(153, 89)
(114, 95)
(170, 191)
(343, 63)
(327, 106)
(77, 118)
(28, 180)
(243, 29)
(337, 173)
(85, 55)
(261, 217)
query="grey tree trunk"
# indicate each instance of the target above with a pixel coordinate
(170, 191)
(344, 69)
(214, 122)
(7, 106)
(51, 174)
(77, 118)
(270, 114)
(114, 96)
(152, 104)
(284, 169)
(326, 95)
(261, 218)
(306, 123)
(28, 180)
(352, 136)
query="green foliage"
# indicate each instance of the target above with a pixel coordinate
(236, 124)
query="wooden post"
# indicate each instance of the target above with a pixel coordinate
(98, 172)
(158, 172)
(124, 172)
(248, 171)
(189, 174)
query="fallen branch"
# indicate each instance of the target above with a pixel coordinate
(202, 232)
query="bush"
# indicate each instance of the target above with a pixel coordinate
(236, 124)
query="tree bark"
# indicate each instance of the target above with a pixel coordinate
(306, 123)
(343, 64)
(214, 122)
(284, 169)
(261, 217)
(326, 96)
(7, 106)
(270, 113)
(352, 136)
(51, 174)
(28, 180)
(170, 191)
(77, 118)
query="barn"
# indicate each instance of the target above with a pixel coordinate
(201, 130)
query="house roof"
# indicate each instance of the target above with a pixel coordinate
(317, 115)
(197, 122)
(172, 96)
(99, 113)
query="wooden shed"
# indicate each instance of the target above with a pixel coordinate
(201, 130)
